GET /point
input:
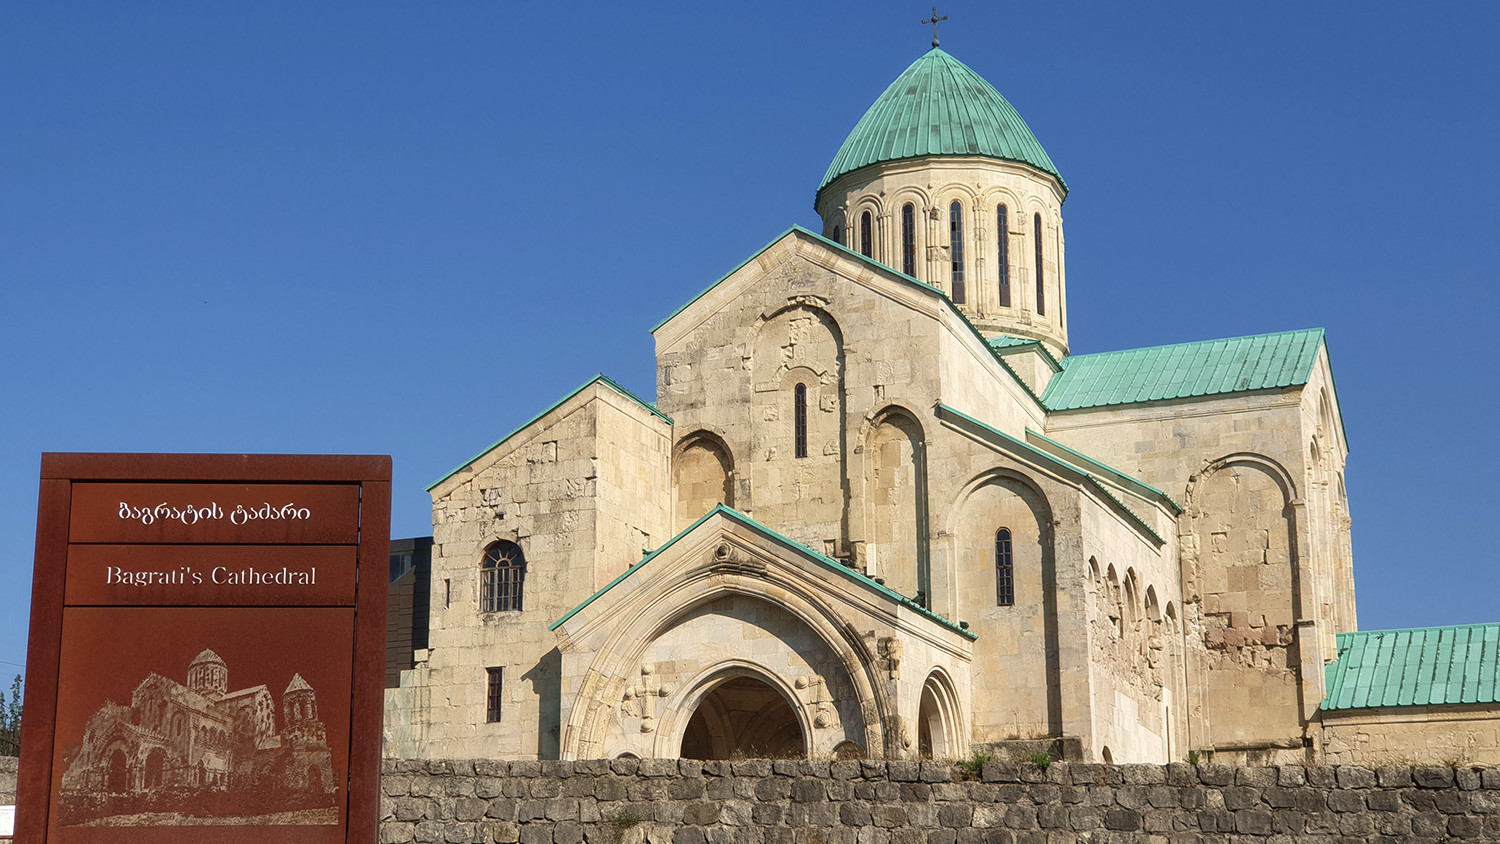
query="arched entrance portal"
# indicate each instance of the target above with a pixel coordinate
(115, 780)
(743, 718)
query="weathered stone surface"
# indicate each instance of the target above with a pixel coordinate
(1432, 776)
(808, 805)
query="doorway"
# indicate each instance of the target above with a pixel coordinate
(743, 718)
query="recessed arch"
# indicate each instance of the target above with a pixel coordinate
(896, 543)
(728, 730)
(1240, 549)
(646, 618)
(1131, 600)
(1016, 639)
(116, 778)
(1113, 601)
(940, 726)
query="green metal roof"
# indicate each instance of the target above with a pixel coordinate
(1006, 341)
(603, 379)
(1415, 667)
(1185, 370)
(1006, 344)
(821, 559)
(939, 106)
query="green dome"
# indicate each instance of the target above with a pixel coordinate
(939, 107)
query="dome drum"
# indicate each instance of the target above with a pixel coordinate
(927, 181)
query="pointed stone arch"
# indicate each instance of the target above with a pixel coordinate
(757, 737)
(647, 617)
(941, 730)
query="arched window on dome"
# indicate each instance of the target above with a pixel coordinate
(1002, 240)
(838, 235)
(956, 249)
(502, 578)
(1041, 279)
(866, 242)
(799, 421)
(1005, 575)
(909, 239)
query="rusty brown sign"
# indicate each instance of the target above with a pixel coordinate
(205, 661)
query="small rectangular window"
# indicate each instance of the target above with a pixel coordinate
(909, 240)
(492, 694)
(1005, 577)
(799, 421)
(1002, 238)
(1041, 275)
(956, 249)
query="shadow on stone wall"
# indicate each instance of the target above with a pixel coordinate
(546, 684)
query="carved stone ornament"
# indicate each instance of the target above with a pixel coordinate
(641, 700)
(890, 655)
(824, 715)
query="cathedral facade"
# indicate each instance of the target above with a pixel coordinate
(200, 750)
(878, 510)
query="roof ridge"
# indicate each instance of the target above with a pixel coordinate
(598, 378)
(1472, 626)
(1317, 329)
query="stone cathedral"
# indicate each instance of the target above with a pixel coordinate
(877, 510)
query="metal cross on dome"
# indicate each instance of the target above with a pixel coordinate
(934, 21)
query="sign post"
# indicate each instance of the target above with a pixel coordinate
(205, 661)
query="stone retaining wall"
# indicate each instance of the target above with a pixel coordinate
(8, 767)
(667, 801)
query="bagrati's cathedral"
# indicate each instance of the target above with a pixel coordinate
(878, 510)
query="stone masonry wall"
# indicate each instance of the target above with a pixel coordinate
(669, 801)
(8, 767)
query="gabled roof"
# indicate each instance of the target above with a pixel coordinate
(791, 544)
(1006, 344)
(898, 276)
(1092, 466)
(939, 106)
(1185, 370)
(1415, 667)
(1068, 467)
(597, 379)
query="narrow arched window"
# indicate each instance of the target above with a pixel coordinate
(838, 235)
(866, 242)
(1002, 239)
(799, 421)
(502, 577)
(1005, 575)
(909, 239)
(1041, 279)
(956, 249)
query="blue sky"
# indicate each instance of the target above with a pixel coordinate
(406, 228)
